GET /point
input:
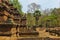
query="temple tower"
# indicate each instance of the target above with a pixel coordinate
(8, 20)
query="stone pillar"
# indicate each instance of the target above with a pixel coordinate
(13, 31)
(17, 30)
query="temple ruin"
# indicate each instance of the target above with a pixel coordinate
(12, 24)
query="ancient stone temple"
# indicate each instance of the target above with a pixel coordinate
(12, 24)
(24, 31)
(9, 20)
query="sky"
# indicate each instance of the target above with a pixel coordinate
(43, 3)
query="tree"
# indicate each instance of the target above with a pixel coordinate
(30, 19)
(47, 12)
(33, 7)
(37, 14)
(56, 11)
(50, 21)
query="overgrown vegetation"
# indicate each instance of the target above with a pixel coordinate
(47, 18)
(17, 5)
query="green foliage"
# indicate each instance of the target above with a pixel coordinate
(37, 14)
(30, 19)
(50, 20)
(17, 5)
